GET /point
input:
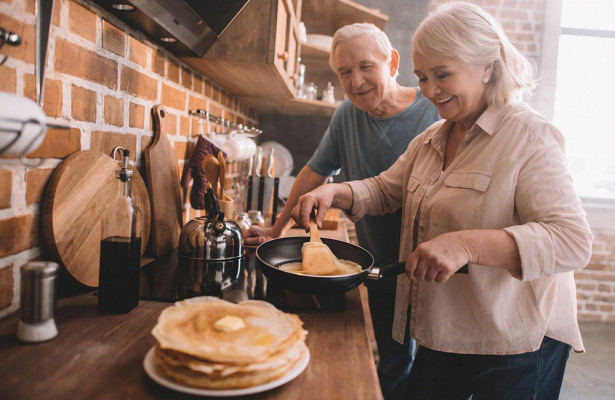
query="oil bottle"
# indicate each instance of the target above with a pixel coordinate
(120, 248)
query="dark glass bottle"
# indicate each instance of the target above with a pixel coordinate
(120, 248)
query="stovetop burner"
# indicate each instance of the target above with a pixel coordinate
(160, 281)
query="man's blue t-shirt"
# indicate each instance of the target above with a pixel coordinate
(362, 146)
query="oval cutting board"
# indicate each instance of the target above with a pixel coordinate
(76, 195)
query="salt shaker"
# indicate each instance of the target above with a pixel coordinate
(38, 299)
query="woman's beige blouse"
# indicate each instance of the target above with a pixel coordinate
(510, 173)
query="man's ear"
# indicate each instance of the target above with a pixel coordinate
(394, 64)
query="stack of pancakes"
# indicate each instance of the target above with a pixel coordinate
(210, 343)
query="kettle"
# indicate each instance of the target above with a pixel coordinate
(210, 253)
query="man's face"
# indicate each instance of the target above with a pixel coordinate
(363, 71)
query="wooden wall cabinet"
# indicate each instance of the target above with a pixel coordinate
(256, 58)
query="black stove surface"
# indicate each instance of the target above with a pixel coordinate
(161, 280)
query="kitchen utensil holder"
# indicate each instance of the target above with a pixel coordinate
(225, 123)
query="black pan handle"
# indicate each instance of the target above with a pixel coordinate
(392, 270)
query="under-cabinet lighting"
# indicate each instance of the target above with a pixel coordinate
(123, 7)
(168, 39)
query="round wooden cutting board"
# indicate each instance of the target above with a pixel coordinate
(77, 193)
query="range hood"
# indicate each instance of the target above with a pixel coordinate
(184, 27)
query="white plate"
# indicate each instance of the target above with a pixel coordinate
(286, 184)
(283, 158)
(150, 369)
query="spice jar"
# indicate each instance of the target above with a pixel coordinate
(38, 299)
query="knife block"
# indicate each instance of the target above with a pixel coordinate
(263, 194)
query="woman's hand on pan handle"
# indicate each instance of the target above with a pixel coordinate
(322, 198)
(437, 259)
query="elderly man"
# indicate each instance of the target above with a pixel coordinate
(367, 133)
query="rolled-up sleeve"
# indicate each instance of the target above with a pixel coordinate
(553, 236)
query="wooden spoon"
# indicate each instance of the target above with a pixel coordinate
(212, 170)
(222, 164)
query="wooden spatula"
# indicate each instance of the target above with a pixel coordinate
(314, 236)
(212, 170)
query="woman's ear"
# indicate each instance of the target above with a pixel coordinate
(394, 65)
(488, 72)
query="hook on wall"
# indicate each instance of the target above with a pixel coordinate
(10, 38)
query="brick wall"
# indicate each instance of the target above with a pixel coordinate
(103, 83)
(522, 21)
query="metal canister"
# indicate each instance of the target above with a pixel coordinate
(38, 300)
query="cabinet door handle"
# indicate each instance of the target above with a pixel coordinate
(283, 56)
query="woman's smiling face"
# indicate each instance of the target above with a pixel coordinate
(455, 87)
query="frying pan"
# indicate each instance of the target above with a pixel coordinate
(276, 252)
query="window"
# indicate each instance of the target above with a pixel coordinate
(583, 90)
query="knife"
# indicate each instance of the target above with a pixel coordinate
(256, 170)
(276, 186)
(268, 183)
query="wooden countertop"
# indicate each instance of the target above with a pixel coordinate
(100, 356)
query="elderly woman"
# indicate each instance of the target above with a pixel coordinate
(487, 186)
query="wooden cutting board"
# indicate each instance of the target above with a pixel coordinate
(76, 195)
(161, 170)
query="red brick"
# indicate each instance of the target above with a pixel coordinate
(136, 116)
(52, 103)
(198, 84)
(82, 21)
(195, 103)
(105, 142)
(83, 104)
(180, 149)
(8, 83)
(146, 141)
(114, 111)
(18, 234)
(196, 127)
(6, 286)
(57, 7)
(214, 109)
(6, 187)
(216, 94)
(158, 63)
(36, 180)
(137, 52)
(113, 39)
(138, 84)
(186, 79)
(74, 60)
(173, 72)
(171, 123)
(173, 98)
(58, 143)
(26, 50)
(184, 126)
(208, 90)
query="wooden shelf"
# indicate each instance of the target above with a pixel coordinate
(256, 58)
(326, 16)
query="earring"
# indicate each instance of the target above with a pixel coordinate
(485, 80)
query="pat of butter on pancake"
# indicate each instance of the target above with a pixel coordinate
(229, 323)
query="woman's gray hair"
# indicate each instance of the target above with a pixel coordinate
(466, 32)
(349, 32)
